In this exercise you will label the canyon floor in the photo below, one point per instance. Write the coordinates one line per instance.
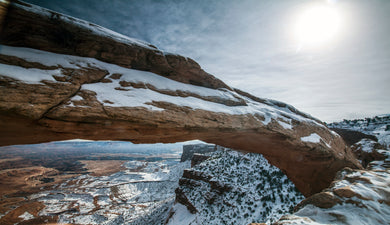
(76, 182)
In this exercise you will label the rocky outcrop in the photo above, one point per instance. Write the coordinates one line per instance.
(232, 187)
(355, 197)
(46, 97)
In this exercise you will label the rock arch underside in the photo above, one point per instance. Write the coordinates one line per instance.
(64, 78)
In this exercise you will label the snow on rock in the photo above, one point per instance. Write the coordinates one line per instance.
(76, 62)
(77, 98)
(313, 138)
(26, 216)
(29, 76)
(45, 58)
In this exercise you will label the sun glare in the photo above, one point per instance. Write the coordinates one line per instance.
(317, 25)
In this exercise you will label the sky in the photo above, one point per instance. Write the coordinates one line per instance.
(259, 46)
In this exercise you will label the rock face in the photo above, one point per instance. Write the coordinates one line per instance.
(92, 83)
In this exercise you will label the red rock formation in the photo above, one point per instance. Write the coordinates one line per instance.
(78, 101)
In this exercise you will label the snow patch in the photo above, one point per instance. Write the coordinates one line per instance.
(30, 76)
(26, 216)
(77, 98)
(313, 138)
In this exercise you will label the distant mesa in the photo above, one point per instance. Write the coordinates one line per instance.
(64, 78)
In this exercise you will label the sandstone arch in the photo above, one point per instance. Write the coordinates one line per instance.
(74, 99)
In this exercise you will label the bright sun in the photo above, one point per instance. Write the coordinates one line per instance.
(317, 25)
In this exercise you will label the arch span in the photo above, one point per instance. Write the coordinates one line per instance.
(311, 166)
